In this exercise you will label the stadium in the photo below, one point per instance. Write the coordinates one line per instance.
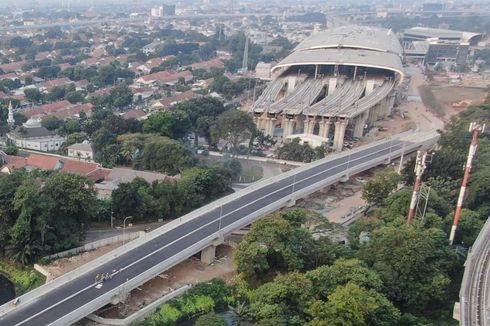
(334, 85)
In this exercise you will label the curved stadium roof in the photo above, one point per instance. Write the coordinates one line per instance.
(369, 38)
(351, 46)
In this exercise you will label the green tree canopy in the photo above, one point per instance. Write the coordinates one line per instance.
(174, 124)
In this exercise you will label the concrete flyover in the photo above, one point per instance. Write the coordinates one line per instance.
(74, 295)
(474, 296)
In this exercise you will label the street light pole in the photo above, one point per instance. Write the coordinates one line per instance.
(124, 228)
(294, 182)
(220, 216)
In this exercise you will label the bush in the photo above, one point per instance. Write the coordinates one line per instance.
(11, 150)
(24, 279)
(210, 319)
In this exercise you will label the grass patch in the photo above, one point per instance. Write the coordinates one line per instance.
(24, 278)
(430, 101)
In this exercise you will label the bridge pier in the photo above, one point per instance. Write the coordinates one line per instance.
(208, 254)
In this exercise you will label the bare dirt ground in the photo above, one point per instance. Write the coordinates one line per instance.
(190, 271)
(455, 98)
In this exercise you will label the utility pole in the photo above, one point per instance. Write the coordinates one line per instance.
(419, 170)
(475, 129)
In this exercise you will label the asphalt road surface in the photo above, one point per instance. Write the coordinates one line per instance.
(75, 294)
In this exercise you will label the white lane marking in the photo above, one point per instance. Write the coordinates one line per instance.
(188, 234)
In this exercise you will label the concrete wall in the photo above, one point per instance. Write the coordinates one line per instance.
(96, 244)
(140, 314)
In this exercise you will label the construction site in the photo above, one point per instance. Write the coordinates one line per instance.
(333, 86)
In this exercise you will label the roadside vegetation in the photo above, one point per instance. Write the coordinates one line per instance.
(388, 273)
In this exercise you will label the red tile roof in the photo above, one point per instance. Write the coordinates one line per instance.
(134, 114)
(61, 109)
(167, 76)
(13, 66)
(169, 101)
(208, 65)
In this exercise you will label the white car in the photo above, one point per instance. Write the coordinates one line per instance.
(98, 286)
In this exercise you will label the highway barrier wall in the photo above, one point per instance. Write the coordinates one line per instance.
(128, 236)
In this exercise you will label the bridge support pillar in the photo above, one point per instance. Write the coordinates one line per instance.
(208, 254)
(338, 141)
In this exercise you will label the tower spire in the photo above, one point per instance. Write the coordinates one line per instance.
(10, 119)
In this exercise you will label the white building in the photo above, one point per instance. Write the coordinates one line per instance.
(151, 48)
(81, 151)
(34, 136)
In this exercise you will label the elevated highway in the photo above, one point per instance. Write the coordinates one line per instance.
(75, 295)
(475, 289)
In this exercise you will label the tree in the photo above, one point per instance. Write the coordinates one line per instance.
(72, 196)
(103, 137)
(286, 298)
(351, 305)
(174, 124)
(375, 190)
(51, 122)
(235, 127)
(294, 151)
(202, 112)
(413, 264)
(74, 97)
(210, 319)
(133, 199)
(33, 94)
(273, 245)
(325, 279)
(166, 155)
(121, 96)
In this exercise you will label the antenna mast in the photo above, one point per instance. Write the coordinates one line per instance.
(475, 129)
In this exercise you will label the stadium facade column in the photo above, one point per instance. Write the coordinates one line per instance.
(332, 84)
(325, 127)
(359, 123)
(262, 123)
(338, 141)
(288, 127)
(311, 125)
(272, 123)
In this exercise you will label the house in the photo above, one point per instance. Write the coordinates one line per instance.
(151, 48)
(48, 85)
(141, 93)
(161, 78)
(81, 151)
(207, 65)
(166, 103)
(61, 109)
(31, 162)
(146, 67)
(123, 175)
(34, 136)
(135, 114)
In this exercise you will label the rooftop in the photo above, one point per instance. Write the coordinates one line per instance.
(441, 33)
(351, 57)
(350, 36)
